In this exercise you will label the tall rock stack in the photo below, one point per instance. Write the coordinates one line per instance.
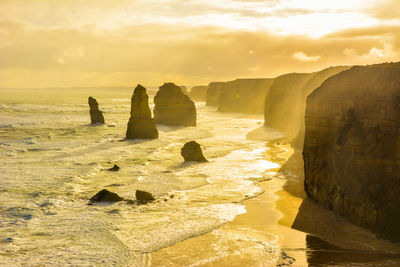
(96, 116)
(352, 146)
(141, 125)
(173, 107)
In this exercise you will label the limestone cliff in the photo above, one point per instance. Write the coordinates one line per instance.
(141, 125)
(173, 107)
(199, 93)
(96, 115)
(352, 146)
(213, 93)
(244, 95)
(285, 103)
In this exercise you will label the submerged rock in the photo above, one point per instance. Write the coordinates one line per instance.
(141, 125)
(105, 196)
(143, 197)
(191, 151)
(115, 168)
(352, 146)
(173, 107)
(96, 115)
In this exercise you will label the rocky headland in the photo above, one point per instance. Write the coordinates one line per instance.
(141, 125)
(352, 146)
(173, 107)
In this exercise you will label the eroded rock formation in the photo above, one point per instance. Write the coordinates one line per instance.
(191, 151)
(352, 146)
(173, 107)
(96, 116)
(214, 93)
(141, 125)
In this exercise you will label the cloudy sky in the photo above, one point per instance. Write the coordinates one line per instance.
(125, 42)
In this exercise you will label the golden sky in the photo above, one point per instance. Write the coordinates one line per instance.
(125, 42)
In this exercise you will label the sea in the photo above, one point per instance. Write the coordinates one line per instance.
(52, 161)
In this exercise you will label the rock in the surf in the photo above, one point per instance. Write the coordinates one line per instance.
(96, 115)
(115, 168)
(144, 197)
(173, 107)
(141, 125)
(191, 151)
(105, 196)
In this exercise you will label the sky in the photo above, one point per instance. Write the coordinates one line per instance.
(65, 43)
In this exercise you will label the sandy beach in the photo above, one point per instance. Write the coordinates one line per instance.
(307, 234)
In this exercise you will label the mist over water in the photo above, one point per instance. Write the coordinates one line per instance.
(53, 161)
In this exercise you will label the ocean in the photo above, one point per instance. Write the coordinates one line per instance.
(52, 161)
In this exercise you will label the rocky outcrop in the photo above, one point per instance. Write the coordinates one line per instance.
(285, 101)
(115, 168)
(144, 197)
(96, 116)
(198, 93)
(352, 146)
(184, 89)
(191, 151)
(106, 196)
(244, 95)
(172, 107)
(141, 125)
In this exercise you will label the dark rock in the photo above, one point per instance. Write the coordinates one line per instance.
(191, 151)
(173, 107)
(96, 116)
(198, 93)
(143, 197)
(141, 125)
(105, 196)
(352, 146)
(115, 168)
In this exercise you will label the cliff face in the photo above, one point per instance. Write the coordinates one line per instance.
(352, 146)
(285, 103)
(173, 107)
(214, 93)
(244, 95)
(199, 93)
(141, 125)
(96, 116)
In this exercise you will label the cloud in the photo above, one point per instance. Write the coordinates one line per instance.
(301, 56)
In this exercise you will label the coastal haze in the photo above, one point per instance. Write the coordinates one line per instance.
(199, 133)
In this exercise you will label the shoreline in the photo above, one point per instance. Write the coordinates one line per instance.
(288, 229)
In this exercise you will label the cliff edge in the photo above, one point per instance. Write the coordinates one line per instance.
(352, 146)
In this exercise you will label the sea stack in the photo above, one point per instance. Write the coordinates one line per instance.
(173, 107)
(191, 151)
(96, 116)
(141, 125)
(352, 146)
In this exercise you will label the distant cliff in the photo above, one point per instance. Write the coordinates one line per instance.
(244, 95)
(199, 93)
(241, 95)
(352, 146)
(284, 106)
